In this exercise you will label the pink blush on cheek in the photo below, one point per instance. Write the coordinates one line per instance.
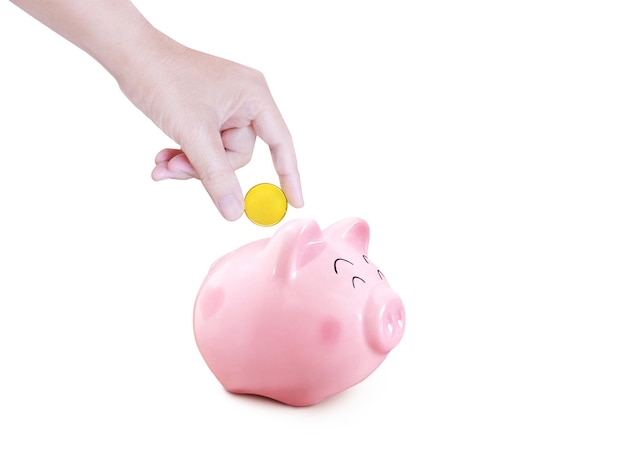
(213, 300)
(330, 331)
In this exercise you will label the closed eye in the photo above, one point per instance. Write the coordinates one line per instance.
(380, 274)
(366, 260)
(357, 277)
(341, 259)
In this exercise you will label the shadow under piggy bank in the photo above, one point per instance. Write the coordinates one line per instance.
(300, 316)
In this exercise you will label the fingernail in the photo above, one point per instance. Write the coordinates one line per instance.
(230, 207)
(293, 190)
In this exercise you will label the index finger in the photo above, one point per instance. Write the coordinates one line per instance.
(270, 126)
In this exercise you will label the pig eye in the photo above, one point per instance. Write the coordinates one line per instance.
(355, 278)
(380, 274)
(341, 259)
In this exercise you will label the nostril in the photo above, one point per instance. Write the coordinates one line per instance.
(401, 320)
(395, 322)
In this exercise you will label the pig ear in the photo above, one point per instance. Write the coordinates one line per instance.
(354, 230)
(294, 245)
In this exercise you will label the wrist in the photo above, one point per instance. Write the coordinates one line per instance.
(123, 44)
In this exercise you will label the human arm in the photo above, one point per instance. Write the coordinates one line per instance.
(211, 107)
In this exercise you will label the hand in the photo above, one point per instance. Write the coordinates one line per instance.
(214, 109)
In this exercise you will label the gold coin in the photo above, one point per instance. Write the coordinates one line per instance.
(265, 204)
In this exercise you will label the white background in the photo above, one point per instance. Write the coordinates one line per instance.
(485, 144)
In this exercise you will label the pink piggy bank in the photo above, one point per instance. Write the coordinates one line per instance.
(300, 316)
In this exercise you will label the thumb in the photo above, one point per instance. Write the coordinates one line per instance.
(207, 155)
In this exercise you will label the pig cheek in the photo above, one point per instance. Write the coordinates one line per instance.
(210, 301)
(329, 331)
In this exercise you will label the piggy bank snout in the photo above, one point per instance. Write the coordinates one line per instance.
(384, 319)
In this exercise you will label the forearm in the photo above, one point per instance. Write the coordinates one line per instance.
(113, 32)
